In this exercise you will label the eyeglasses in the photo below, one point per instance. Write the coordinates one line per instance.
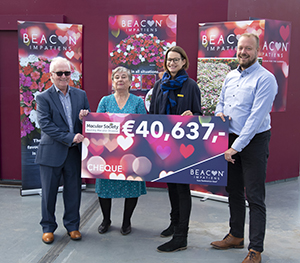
(175, 60)
(60, 73)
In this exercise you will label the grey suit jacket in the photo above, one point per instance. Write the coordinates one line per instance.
(55, 135)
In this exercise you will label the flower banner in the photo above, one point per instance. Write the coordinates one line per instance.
(139, 42)
(217, 56)
(155, 148)
(38, 43)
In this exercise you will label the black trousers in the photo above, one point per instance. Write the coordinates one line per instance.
(181, 205)
(248, 175)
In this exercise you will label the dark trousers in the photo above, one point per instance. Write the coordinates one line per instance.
(181, 204)
(248, 175)
(50, 180)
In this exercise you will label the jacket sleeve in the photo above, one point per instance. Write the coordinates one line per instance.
(52, 123)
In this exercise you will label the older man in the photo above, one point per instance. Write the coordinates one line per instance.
(59, 109)
(246, 98)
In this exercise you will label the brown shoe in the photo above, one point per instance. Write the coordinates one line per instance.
(253, 257)
(48, 238)
(229, 241)
(75, 235)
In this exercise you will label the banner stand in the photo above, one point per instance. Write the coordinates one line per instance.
(206, 196)
(215, 197)
(38, 191)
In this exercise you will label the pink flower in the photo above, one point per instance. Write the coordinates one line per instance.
(35, 75)
(34, 86)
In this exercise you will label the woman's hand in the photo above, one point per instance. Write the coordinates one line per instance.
(187, 113)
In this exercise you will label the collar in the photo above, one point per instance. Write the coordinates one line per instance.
(59, 91)
(250, 69)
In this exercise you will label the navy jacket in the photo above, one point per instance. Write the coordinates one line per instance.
(55, 135)
(188, 98)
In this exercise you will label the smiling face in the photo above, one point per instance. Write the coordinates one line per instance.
(121, 81)
(247, 51)
(61, 82)
(174, 63)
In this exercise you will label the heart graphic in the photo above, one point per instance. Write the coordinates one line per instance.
(111, 145)
(205, 44)
(186, 151)
(99, 142)
(84, 152)
(214, 173)
(163, 153)
(277, 45)
(114, 176)
(86, 142)
(285, 69)
(112, 20)
(164, 173)
(125, 143)
(150, 22)
(284, 32)
(95, 150)
(117, 117)
(115, 33)
(131, 178)
(70, 54)
(62, 39)
(75, 35)
(77, 55)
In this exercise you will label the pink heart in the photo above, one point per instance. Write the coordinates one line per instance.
(99, 141)
(186, 151)
(163, 153)
(285, 69)
(94, 149)
(284, 32)
(111, 145)
(117, 117)
(112, 19)
(23, 31)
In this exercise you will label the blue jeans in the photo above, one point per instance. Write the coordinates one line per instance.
(247, 176)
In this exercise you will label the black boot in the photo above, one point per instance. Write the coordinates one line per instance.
(177, 243)
(105, 204)
(169, 231)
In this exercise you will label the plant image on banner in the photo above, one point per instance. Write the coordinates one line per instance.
(39, 43)
(139, 43)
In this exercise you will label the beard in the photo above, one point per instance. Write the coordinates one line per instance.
(247, 63)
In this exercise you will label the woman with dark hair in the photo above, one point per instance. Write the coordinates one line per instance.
(176, 94)
(120, 102)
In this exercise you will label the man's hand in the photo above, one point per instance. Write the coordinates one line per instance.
(228, 155)
(78, 138)
(83, 113)
(222, 116)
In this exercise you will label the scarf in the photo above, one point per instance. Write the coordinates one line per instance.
(168, 84)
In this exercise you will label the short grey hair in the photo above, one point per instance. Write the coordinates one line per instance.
(121, 69)
(57, 60)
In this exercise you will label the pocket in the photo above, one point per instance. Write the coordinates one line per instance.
(245, 97)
